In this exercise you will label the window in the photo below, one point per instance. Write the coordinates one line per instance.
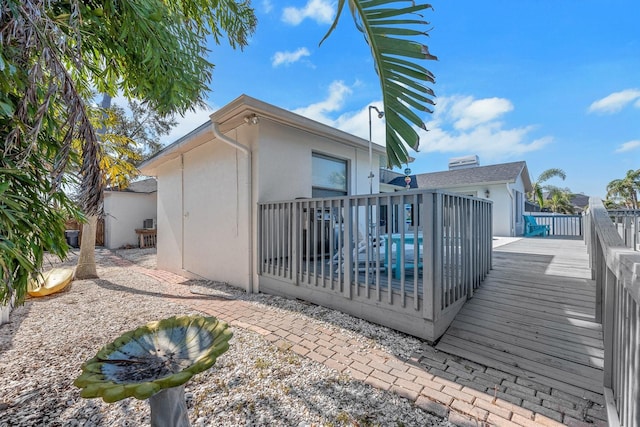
(329, 176)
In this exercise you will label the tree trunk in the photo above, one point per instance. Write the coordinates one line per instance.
(86, 268)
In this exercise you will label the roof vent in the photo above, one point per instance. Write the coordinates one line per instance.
(464, 162)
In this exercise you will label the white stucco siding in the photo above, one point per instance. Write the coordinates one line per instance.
(503, 220)
(169, 212)
(216, 224)
(284, 162)
(124, 212)
(504, 223)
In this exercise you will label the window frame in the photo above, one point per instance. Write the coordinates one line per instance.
(322, 191)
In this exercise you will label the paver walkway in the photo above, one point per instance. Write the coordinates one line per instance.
(468, 393)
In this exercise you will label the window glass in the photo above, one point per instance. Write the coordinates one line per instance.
(329, 176)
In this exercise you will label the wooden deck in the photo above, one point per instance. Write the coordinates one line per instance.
(534, 317)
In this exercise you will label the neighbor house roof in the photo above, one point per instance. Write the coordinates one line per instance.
(490, 174)
(149, 185)
(580, 201)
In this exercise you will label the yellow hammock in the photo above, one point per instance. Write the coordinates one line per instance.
(50, 282)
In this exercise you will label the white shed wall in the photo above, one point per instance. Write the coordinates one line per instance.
(124, 212)
(169, 243)
(216, 213)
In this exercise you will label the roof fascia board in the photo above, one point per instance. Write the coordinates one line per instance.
(234, 112)
(196, 137)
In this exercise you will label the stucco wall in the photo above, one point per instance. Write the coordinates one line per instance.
(124, 212)
(284, 162)
(216, 213)
(169, 222)
(505, 221)
(205, 222)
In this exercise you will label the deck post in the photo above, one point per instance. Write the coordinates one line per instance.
(438, 225)
(428, 283)
(348, 247)
(599, 273)
(608, 327)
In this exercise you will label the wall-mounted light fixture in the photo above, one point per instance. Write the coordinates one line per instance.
(252, 119)
(487, 193)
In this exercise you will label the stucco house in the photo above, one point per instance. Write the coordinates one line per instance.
(505, 184)
(210, 181)
(127, 210)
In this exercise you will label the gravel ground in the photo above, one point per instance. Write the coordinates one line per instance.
(254, 383)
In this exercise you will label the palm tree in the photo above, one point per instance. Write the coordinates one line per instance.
(536, 195)
(391, 34)
(626, 189)
(559, 200)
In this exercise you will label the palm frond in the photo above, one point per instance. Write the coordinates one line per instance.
(391, 33)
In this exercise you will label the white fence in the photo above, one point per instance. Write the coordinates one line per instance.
(616, 270)
(627, 222)
(407, 260)
(560, 224)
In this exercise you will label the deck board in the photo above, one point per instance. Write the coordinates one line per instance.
(534, 316)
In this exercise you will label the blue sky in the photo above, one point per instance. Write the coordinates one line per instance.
(554, 83)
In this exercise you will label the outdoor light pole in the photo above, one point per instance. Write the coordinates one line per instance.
(371, 175)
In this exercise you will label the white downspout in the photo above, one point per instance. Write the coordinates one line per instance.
(182, 210)
(513, 210)
(246, 150)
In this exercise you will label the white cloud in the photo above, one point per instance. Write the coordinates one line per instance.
(338, 91)
(460, 125)
(353, 122)
(187, 123)
(628, 146)
(321, 11)
(267, 6)
(287, 58)
(616, 101)
(464, 125)
(468, 112)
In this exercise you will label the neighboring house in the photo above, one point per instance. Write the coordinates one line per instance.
(504, 184)
(127, 210)
(210, 181)
(580, 203)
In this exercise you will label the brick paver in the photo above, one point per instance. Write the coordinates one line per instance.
(467, 393)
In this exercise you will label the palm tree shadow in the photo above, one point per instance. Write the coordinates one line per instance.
(8, 330)
(115, 287)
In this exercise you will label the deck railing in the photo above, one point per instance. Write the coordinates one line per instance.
(407, 260)
(627, 222)
(616, 270)
(560, 224)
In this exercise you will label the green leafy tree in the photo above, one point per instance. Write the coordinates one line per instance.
(52, 54)
(118, 156)
(537, 193)
(625, 190)
(143, 125)
(124, 139)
